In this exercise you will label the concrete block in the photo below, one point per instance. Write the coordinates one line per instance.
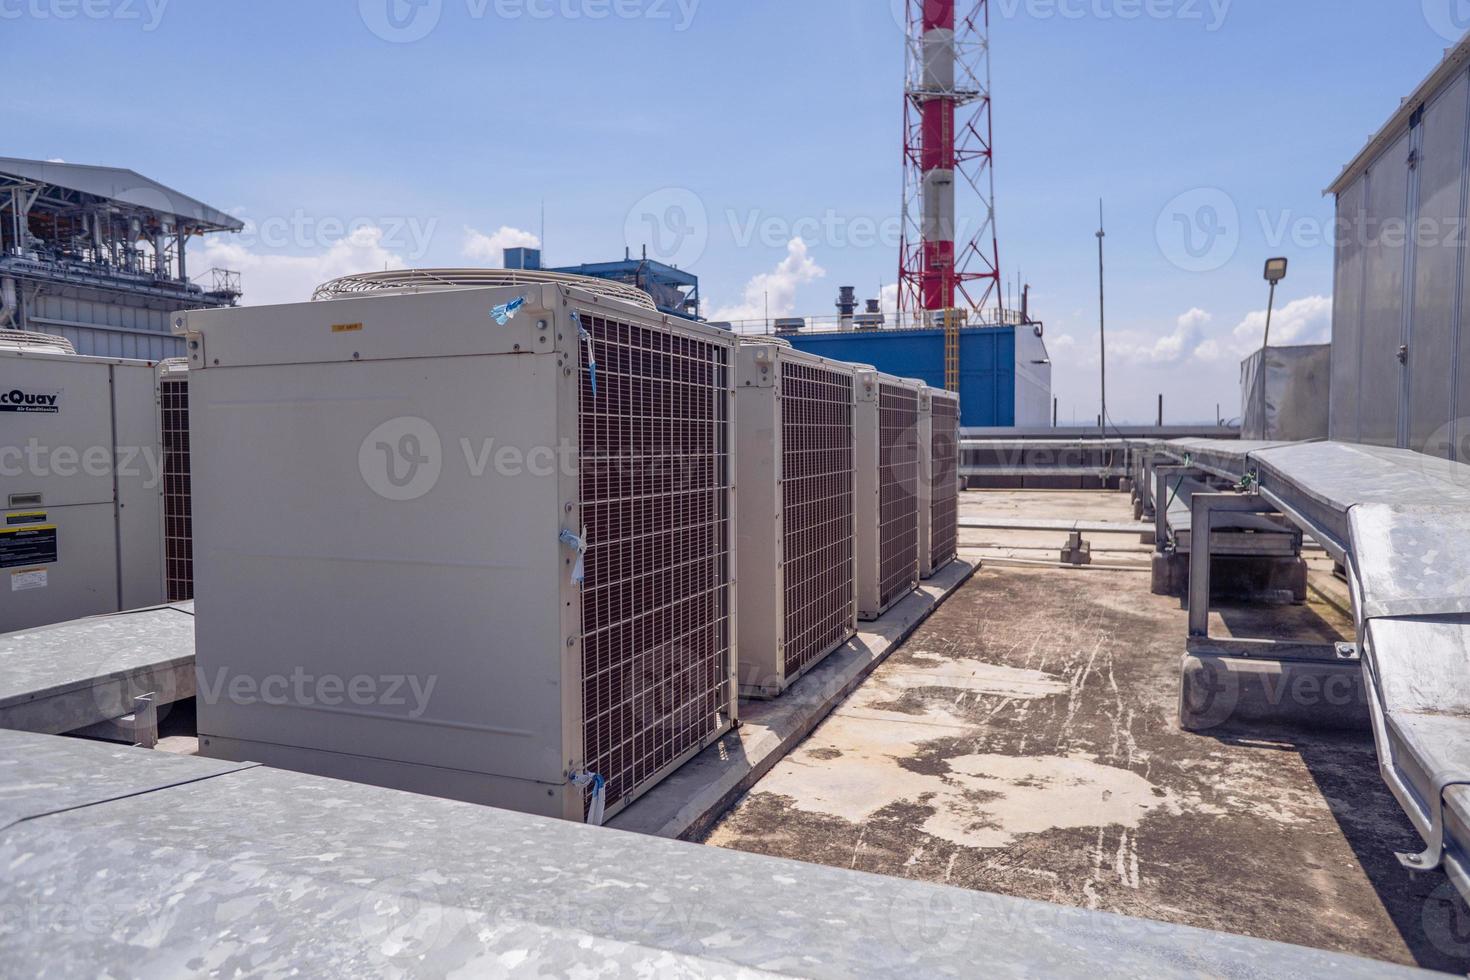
(1235, 577)
(1218, 691)
(1077, 551)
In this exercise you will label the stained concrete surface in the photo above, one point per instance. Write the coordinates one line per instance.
(1024, 741)
(687, 803)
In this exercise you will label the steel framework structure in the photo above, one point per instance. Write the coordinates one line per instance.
(948, 160)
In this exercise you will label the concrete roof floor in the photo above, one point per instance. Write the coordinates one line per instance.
(1025, 742)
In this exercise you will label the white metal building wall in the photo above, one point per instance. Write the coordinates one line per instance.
(1033, 379)
(1400, 373)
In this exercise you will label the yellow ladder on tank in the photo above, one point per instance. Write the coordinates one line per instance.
(954, 320)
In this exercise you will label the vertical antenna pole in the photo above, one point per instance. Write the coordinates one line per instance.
(1102, 332)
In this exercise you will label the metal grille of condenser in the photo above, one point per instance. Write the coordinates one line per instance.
(817, 511)
(655, 496)
(178, 512)
(898, 491)
(944, 491)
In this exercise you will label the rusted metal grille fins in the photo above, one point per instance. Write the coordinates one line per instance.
(655, 498)
(178, 510)
(898, 496)
(816, 506)
(944, 442)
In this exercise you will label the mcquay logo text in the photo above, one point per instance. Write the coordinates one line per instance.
(20, 400)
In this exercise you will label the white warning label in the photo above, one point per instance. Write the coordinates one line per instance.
(24, 581)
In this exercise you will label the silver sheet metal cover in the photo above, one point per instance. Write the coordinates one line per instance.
(1298, 387)
(265, 872)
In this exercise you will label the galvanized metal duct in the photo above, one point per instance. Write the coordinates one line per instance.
(1399, 521)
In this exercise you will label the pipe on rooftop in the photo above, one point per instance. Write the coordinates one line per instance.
(9, 307)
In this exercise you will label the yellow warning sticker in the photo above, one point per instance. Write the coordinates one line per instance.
(346, 327)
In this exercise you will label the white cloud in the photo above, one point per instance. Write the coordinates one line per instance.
(888, 301)
(55, 160)
(490, 249)
(780, 285)
(1194, 363)
(270, 278)
(1136, 347)
(1187, 336)
(1303, 321)
(1209, 351)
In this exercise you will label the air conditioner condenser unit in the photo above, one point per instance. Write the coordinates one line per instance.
(798, 603)
(79, 454)
(473, 543)
(887, 483)
(939, 446)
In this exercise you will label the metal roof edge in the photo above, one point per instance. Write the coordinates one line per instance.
(178, 202)
(1455, 60)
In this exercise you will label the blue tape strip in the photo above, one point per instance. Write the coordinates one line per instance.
(506, 312)
(586, 338)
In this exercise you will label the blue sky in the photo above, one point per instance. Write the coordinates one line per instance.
(762, 120)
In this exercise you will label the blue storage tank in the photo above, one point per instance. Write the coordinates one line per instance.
(1005, 374)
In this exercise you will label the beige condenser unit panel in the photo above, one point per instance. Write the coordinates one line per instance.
(79, 483)
(939, 488)
(797, 593)
(887, 511)
(474, 543)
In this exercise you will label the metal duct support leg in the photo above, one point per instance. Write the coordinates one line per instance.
(1432, 857)
(1258, 681)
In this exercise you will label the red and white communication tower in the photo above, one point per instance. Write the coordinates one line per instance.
(948, 162)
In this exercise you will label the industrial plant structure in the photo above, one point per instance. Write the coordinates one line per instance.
(98, 255)
(674, 291)
(953, 330)
(1001, 371)
(948, 160)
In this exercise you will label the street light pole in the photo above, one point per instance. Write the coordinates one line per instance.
(1275, 272)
